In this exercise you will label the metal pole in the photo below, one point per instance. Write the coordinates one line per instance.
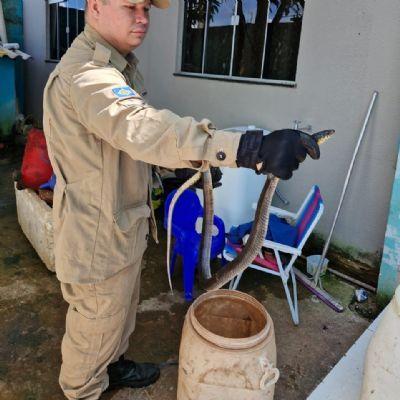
(3, 31)
(327, 243)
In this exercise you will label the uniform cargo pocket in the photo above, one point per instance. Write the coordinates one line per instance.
(128, 225)
(77, 218)
(127, 218)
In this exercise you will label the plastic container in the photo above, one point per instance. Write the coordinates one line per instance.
(36, 168)
(312, 264)
(227, 349)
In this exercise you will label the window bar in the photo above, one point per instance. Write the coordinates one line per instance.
(233, 41)
(238, 79)
(58, 30)
(77, 21)
(67, 27)
(203, 61)
(265, 41)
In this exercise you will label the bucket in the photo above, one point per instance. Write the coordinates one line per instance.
(312, 264)
(227, 349)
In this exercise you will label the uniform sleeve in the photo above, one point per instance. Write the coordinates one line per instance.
(128, 123)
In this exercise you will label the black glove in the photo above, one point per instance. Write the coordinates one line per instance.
(278, 153)
(187, 173)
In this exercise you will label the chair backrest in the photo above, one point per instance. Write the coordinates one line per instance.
(305, 202)
(186, 210)
(310, 213)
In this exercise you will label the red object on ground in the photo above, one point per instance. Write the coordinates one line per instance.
(36, 168)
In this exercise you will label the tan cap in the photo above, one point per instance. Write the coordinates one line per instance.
(156, 3)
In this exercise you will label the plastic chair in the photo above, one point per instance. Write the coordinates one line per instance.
(305, 221)
(50, 184)
(187, 241)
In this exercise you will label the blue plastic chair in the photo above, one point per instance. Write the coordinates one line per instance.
(187, 241)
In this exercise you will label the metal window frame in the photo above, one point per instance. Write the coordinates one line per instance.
(235, 78)
(68, 28)
(233, 39)
(230, 77)
(76, 22)
(265, 41)
(49, 3)
(203, 61)
(48, 31)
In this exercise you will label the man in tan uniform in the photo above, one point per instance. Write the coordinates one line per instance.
(102, 138)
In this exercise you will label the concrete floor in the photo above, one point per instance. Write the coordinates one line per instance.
(345, 380)
(32, 314)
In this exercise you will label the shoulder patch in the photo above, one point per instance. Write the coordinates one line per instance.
(124, 91)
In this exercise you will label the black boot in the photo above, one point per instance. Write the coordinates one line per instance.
(126, 373)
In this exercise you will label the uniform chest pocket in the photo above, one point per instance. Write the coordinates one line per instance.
(130, 230)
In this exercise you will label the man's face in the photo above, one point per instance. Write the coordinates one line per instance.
(123, 24)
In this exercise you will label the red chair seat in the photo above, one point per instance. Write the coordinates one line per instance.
(268, 261)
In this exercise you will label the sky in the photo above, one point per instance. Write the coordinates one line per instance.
(78, 4)
(227, 9)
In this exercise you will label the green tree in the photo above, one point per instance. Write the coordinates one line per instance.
(285, 7)
(196, 10)
(250, 38)
(249, 46)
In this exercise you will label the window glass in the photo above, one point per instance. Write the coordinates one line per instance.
(250, 38)
(53, 31)
(283, 39)
(63, 25)
(193, 36)
(67, 20)
(219, 36)
(81, 21)
(76, 4)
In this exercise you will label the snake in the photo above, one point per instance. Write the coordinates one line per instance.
(259, 228)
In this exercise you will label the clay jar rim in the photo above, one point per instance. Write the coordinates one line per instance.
(224, 342)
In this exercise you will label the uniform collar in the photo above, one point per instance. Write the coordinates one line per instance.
(116, 58)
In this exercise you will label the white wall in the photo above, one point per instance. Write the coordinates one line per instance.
(348, 49)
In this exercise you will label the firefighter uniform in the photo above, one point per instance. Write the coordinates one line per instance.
(102, 138)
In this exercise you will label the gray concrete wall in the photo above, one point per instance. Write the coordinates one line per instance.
(348, 49)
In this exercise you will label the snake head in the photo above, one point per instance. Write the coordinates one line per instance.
(312, 142)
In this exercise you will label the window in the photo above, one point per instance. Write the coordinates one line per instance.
(66, 20)
(242, 39)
